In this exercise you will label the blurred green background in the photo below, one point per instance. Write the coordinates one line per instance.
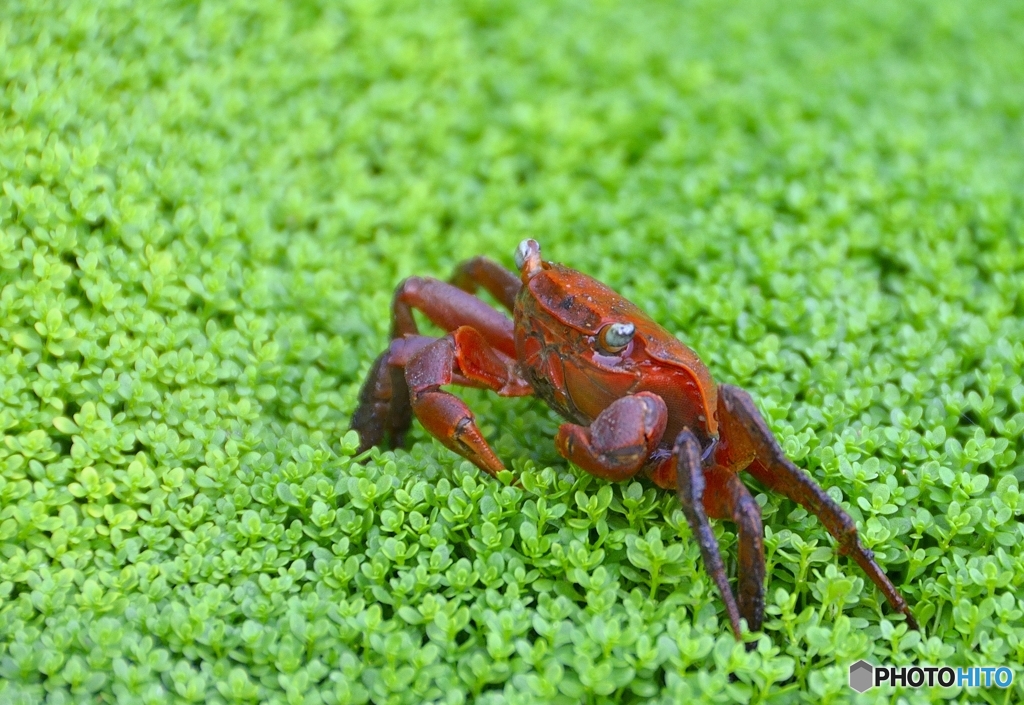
(204, 210)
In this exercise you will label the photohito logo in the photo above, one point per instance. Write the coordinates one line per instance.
(864, 676)
(861, 676)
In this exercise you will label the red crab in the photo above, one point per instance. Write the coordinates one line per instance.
(637, 401)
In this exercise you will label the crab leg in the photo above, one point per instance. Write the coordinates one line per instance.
(751, 438)
(686, 456)
(728, 498)
(620, 440)
(499, 282)
(383, 414)
(449, 307)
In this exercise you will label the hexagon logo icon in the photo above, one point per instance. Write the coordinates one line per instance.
(862, 676)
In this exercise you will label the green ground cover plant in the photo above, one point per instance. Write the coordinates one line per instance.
(204, 208)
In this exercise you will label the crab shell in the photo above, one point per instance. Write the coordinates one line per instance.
(559, 315)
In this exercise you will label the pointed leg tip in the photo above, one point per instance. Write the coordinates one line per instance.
(365, 443)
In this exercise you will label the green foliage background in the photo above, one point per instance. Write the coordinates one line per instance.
(205, 207)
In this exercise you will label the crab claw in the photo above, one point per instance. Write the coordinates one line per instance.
(527, 258)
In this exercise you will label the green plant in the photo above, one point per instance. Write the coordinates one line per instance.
(203, 210)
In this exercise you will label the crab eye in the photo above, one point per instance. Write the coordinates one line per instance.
(527, 248)
(614, 337)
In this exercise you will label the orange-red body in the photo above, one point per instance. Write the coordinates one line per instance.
(558, 316)
(636, 401)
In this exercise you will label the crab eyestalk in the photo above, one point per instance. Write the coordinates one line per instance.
(527, 259)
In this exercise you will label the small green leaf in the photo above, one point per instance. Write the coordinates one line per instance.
(65, 425)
